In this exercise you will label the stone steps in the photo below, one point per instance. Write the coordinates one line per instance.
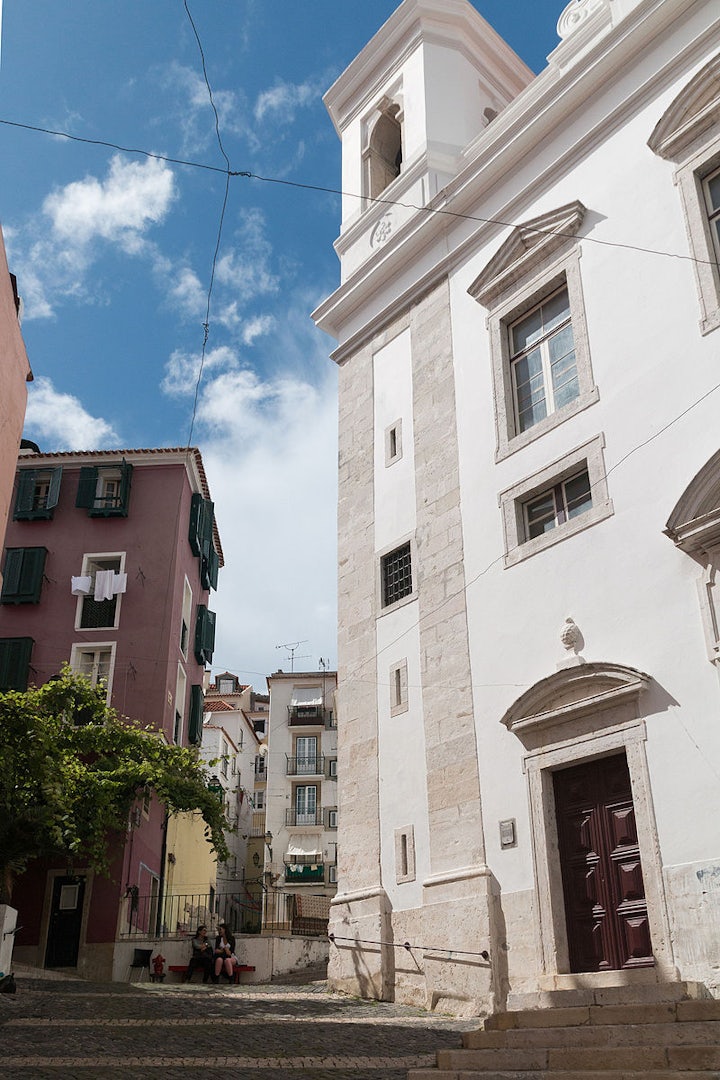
(604, 1074)
(666, 1038)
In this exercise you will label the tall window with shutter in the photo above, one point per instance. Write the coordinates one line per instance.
(38, 491)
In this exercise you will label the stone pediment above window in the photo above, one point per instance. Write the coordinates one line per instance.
(529, 245)
(694, 524)
(692, 113)
(574, 701)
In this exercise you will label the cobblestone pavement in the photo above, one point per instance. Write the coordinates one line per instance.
(62, 1029)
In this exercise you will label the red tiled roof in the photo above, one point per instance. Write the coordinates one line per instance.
(217, 706)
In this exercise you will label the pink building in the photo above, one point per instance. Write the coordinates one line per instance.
(14, 374)
(108, 564)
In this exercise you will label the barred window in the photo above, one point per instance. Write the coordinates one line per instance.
(396, 575)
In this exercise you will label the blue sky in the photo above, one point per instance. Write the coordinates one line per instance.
(113, 253)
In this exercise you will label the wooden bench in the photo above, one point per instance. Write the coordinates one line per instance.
(181, 969)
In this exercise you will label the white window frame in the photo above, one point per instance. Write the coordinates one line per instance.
(688, 134)
(514, 499)
(180, 699)
(332, 818)
(315, 788)
(393, 443)
(398, 688)
(89, 560)
(332, 875)
(405, 854)
(186, 617)
(84, 648)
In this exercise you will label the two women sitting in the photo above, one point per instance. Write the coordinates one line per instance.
(213, 961)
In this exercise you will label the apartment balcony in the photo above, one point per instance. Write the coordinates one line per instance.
(301, 818)
(297, 874)
(258, 824)
(306, 716)
(306, 766)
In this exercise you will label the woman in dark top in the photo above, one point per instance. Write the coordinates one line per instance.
(202, 955)
(224, 954)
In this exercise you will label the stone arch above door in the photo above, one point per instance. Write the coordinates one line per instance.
(575, 701)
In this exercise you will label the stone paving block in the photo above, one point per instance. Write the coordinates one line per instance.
(694, 1057)
(698, 1010)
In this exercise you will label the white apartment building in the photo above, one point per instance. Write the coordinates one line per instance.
(528, 327)
(301, 805)
(230, 741)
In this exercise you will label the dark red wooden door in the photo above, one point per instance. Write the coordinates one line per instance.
(605, 906)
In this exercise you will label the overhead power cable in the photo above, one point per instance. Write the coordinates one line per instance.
(228, 173)
(324, 189)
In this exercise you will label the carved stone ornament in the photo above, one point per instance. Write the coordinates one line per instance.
(572, 641)
(575, 14)
(382, 231)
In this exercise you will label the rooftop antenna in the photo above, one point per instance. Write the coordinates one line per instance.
(292, 647)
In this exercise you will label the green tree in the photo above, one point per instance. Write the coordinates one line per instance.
(70, 771)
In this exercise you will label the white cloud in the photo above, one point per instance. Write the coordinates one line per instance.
(245, 268)
(58, 421)
(119, 208)
(190, 103)
(284, 99)
(256, 328)
(271, 458)
(182, 369)
(52, 260)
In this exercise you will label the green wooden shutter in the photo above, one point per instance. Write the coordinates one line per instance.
(194, 532)
(87, 487)
(207, 526)
(23, 575)
(54, 490)
(204, 635)
(197, 702)
(125, 481)
(25, 494)
(213, 567)
(14, 663)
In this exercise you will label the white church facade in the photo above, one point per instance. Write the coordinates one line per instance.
(528, 328)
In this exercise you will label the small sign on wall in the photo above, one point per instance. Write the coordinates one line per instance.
(508, 834)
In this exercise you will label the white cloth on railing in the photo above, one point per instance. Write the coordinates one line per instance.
(104, 584)
(80, 585)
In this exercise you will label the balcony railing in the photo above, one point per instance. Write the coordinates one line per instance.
(253, 909)
(306, 766)
(306, 715)
(296, 874)
(304, 817)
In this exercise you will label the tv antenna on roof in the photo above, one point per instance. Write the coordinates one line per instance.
(292, 647)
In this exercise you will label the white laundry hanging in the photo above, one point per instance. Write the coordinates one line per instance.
(104, 584)
(80, 585)
(119, 584)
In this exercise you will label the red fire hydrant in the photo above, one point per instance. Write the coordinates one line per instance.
(157, 974)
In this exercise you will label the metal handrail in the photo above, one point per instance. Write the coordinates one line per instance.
(406, 945)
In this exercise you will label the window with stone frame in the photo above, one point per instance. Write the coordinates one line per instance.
(396, 575)
(567, 496)
(688, 134)
(539, 348)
